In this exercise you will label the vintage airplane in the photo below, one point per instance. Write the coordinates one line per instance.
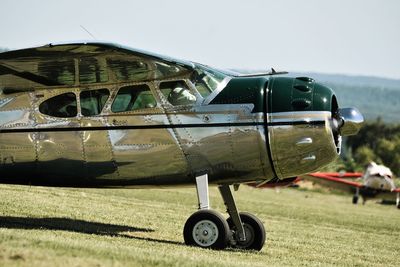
(94, 114)
(377, 182)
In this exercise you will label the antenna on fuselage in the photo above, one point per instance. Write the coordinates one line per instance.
(88, 32)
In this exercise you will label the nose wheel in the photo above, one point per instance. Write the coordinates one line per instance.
(207, 228)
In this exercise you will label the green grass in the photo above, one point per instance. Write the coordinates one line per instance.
(128, 227)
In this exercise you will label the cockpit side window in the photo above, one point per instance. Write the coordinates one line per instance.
(177, 93)
(133, 97)
(61, 106)
(92, 102)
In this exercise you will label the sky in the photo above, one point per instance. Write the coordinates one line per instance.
(353, 37)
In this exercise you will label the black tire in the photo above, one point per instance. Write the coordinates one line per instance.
(254, 229)
(355, 199)
(207, 229)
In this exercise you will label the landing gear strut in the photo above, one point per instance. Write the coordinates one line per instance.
(355, 197)
(208, 228)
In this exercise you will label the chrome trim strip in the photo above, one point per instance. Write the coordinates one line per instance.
(155, 126)
(293, 116)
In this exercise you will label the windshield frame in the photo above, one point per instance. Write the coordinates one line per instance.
(213, 73)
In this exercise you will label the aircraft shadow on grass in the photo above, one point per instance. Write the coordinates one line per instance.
(78, 226)
(66, 224)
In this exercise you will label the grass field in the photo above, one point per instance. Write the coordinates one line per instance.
(125, 227)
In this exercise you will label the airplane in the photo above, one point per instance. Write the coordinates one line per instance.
(377, 182)
(97, 114)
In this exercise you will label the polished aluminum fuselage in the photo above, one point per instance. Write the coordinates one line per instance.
(163, 146)
(158, 147)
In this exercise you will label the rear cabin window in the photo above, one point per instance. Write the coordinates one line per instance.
(134, 97)
(61, 106)
(92, 102)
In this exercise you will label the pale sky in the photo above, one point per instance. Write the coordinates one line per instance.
(359, 37)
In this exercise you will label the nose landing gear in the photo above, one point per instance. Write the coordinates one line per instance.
(356, 195)
(208, 228)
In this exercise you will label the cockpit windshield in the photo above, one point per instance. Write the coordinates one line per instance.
(207, 79)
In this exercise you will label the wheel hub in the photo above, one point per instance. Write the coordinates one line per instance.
(205, 233)
(249, 232)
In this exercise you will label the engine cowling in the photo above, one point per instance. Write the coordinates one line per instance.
(305, 125)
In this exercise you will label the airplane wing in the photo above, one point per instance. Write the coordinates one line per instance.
(338, 181)
(83, 63)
